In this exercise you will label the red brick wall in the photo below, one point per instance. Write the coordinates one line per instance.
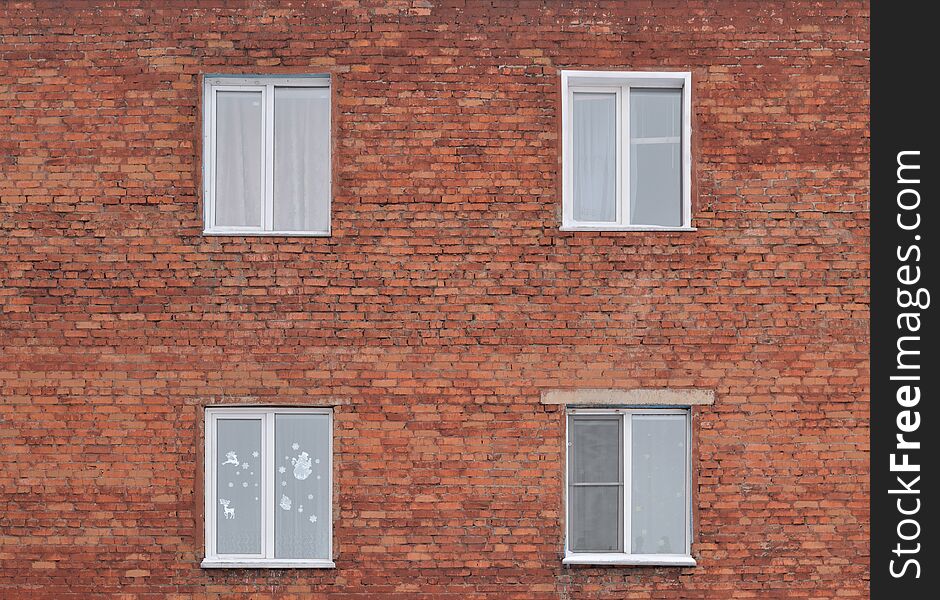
(444, 301)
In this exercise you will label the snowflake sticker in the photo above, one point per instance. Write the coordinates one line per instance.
(283, 483)
(244, 484)
(295, 446)
(313, 518)
(282, 469)
(245, 465)
(230, 484)
(254, 454)
(309, 496)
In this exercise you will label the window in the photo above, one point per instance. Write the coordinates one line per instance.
(626, 151)
(268, 487)
(628, 484)
(266, 143)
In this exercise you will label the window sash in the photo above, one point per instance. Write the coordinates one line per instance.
(212, 459)
(621, 83)
(626, 476)
(619, 151)
(213, 156)
(268, 503)
(264, 85)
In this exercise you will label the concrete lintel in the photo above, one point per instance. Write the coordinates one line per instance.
(658, 397)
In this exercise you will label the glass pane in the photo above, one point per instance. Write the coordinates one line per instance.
(302, 486)
(655, 113)
(658, 483)
(596, 453)
(655, 157)
(594, 154)
(239, 159)
(238, 486)
(301, 159)
(596, 519)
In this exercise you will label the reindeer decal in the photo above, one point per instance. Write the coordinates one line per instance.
(229, 511)
(231, 459)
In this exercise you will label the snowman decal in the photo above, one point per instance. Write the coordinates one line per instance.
(303, 466)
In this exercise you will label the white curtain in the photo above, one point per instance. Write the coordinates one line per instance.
(239, 166)
(301, 159)
(594, 130)
(655, 157)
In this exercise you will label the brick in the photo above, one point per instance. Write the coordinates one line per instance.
(445, 302)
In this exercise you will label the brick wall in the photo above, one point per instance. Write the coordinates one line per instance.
(444, 302)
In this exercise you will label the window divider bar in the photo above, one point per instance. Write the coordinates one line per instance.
(623, 163)
(209, 147)
(685, 148)
(269, 157)
(592, 484)
(267, 476)
(210, 482)
(627, 425)
(567, 189)
(688, 483)
(330, 487)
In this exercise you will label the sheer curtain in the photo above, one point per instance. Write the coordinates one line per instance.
(239, 167)
(594, 130)
(302, 486)
(301, 159)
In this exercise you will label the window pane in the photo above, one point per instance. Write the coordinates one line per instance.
(302, 486)
(596, 518)
(301, 159)
(596, 452)
(239, 163)
(594, 150)
(655, 113)
(658, 484)
(238, 491)
(655, 157)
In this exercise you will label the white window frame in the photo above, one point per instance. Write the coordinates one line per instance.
(266, 558)
(213, 84)
(627, 558)
(620, 82)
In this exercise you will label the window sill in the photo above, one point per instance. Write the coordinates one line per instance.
(267, 563)
(634, 560)
(249, 232)
(624, 228)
